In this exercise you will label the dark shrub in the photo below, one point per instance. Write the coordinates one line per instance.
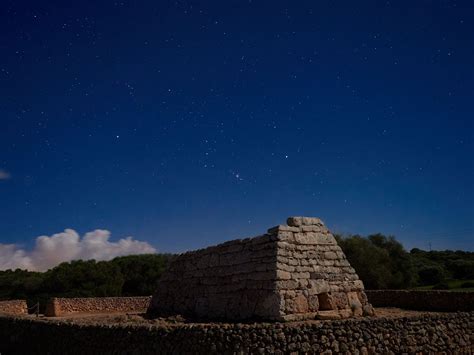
(441, 286)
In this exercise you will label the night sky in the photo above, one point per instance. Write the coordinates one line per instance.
(184, 124)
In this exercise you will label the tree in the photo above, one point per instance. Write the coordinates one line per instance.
(141, 272)
(379, 261)
(84, 279)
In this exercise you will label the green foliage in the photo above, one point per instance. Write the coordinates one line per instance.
(381, 262)
(20, 284)
(435, 267)
(134, 275)
(84, 279)
(141, 272)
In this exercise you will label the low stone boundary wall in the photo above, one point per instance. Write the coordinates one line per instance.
(14, 307)
(450, 333)
(444, 301)
(63, 306)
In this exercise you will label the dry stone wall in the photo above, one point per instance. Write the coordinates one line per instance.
(293, 272)
(314, 277)
(448, 333)
(64, 306)
(13, 307)
(444, 301)
(234, 280)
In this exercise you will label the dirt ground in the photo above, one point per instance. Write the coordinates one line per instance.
(138, 319)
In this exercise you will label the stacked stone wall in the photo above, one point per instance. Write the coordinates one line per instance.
(64, 306)
(233, 280)
(13, 307)
(449, 333)
(293, 272)
(444, 301)
(314, 278)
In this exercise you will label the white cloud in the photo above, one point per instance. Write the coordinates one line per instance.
(4, 175)
(66, 246)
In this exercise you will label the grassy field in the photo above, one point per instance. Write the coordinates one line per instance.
(451, 285)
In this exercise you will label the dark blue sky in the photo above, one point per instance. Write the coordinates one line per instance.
(188, 123)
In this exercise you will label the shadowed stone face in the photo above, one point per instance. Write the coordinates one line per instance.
(294, 271)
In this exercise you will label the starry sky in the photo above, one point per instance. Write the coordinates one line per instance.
(187, 123)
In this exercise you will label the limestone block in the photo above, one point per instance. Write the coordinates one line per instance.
(345, 313)
(340, 299)
(313, 303)
(312, 228)
(303, 284)
(301, 275)
(368, 310)
(357, 285)
(304, 238)
(282, 228)
(328, 239)
(286, 236)
(355, 303)
(297, 317)
(303, 221)
(318, 286)
(362, 297)
(283, 275)
(300, 304)
(328, 315)
(296, 304)
(287, 284)
(285, 267)
(293, 262)
(330, 255)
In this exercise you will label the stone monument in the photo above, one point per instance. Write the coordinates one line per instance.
(293, 272)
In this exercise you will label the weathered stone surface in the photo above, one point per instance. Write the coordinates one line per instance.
(56, 307)
(13, 307)
(328, 315)
(368, 310)
(340, 300)
(291, 272)
(317, 286)
(282, 228)
(303, 221)
(313, 303)
(355, 304)
(441, 333)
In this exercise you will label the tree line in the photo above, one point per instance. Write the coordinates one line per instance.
(380, 261)
(133, 275)
(383, 263)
